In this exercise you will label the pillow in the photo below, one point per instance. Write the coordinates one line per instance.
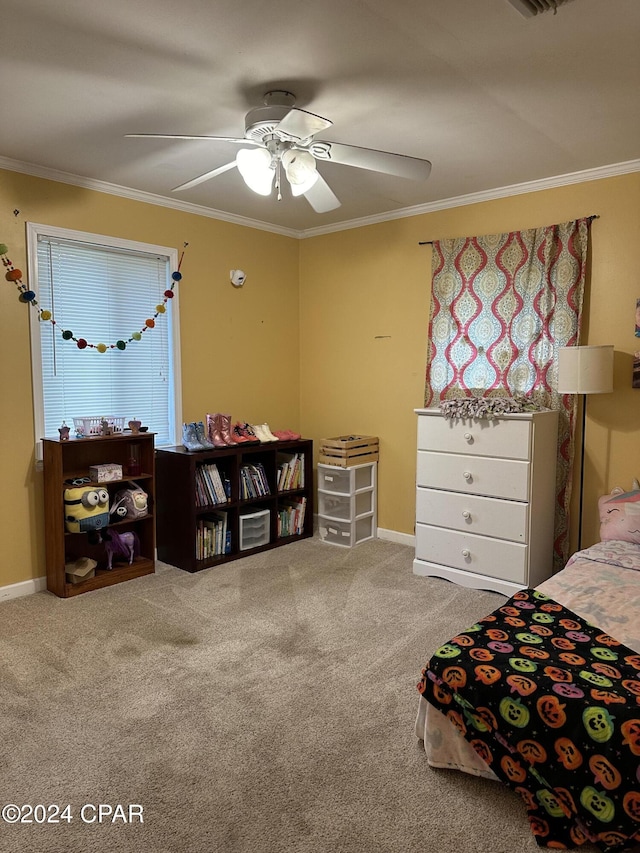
(620, 516)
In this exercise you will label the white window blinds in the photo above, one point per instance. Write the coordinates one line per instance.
(103, 293)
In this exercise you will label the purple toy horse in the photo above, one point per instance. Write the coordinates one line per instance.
(124, 546)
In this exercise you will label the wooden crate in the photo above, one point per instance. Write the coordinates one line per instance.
(347, 450)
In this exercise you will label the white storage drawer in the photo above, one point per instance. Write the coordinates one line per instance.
(254, 529)
(345, 507)
(480, 554)
(473, 514)
(346, 533)
(345, 481)
(500, 478)
(507, 439)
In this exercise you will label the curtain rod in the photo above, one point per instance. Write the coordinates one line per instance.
(430, 242)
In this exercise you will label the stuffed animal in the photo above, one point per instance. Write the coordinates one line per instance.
(130, 503)
(120, 546)
(620, 515)
(86, 508)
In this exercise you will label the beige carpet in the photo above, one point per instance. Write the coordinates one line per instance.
(267, 705)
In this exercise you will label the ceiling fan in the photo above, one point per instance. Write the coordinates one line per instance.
(280, 138)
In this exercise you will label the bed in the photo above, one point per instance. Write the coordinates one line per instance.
(544, 695)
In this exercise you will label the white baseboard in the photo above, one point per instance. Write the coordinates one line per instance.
(17, 590)
(395, 536)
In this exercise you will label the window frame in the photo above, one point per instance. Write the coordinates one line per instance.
(35, 230)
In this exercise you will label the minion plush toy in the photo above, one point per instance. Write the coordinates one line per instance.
(86, 508)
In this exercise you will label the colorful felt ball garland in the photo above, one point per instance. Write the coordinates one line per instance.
(28, 296)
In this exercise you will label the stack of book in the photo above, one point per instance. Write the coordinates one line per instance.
(253, 481)
(290, 471)
(211, 487)
(213, 538)
(291, 517)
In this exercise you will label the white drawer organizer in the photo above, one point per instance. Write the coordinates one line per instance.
(485, 499)
(254, 529)
(347, 504)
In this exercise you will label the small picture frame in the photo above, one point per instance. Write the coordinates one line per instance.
(636, 370)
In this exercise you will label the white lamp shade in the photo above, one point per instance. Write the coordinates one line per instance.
(254, 164)
(585, 370)
(300, 169)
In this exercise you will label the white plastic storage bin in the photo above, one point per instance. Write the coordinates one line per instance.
(254, 529)
(346, 481)
(346, 533)
(345, 507)
(347, 503)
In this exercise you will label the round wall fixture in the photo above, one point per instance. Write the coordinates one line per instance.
(238, 278)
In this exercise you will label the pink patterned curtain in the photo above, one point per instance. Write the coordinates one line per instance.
(501, 306)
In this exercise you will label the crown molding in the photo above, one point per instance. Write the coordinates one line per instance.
(431, 207)
(486, 195)
(139, 195)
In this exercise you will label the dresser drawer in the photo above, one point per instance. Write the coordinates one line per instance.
(480, 554)
(499, 478)
(507, 439)
(473, 514)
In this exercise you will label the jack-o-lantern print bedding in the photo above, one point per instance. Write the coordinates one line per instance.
(552, 704)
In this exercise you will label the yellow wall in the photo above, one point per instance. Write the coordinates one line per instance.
(328, 335)
(240, 347)
(364, 300)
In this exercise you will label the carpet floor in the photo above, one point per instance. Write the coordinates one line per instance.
(266, 705)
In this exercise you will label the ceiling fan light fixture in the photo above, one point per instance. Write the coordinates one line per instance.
(300, 169)
(254, 164)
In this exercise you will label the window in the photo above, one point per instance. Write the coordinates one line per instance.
(102, 290)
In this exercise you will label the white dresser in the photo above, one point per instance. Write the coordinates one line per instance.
(485, 499)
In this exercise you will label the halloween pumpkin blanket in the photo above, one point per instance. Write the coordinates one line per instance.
(552, 705)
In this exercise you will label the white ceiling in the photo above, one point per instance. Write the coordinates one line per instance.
(492, 98)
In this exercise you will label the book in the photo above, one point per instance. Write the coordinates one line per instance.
(291, 517)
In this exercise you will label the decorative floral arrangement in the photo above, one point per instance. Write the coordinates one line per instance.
(486, 407)
(28, 296)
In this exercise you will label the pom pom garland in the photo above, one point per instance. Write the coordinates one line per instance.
(14, 275)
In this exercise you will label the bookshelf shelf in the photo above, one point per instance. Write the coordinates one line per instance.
(252, 476)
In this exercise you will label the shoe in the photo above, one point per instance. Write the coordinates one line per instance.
(202, 438)
(286, 435)
(259, 434)
(264, 433)
(269, 434)
(241, 437)
(242, 428)
(214, 433)
(225, 430)
(190, 439)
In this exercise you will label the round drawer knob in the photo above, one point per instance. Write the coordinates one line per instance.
(466, 554)
(468, 437)
(466, 514)
(467, 475)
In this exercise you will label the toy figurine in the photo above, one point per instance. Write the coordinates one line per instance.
(64, 432)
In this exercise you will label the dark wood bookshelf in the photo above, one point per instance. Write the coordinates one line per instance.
(178, 514)
(69, 460)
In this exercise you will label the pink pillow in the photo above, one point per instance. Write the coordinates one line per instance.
(620, 516)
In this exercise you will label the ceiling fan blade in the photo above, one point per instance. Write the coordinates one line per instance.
(301, 125)
(321, 197)
(206, 177)
(233, 139)
(400, 165)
